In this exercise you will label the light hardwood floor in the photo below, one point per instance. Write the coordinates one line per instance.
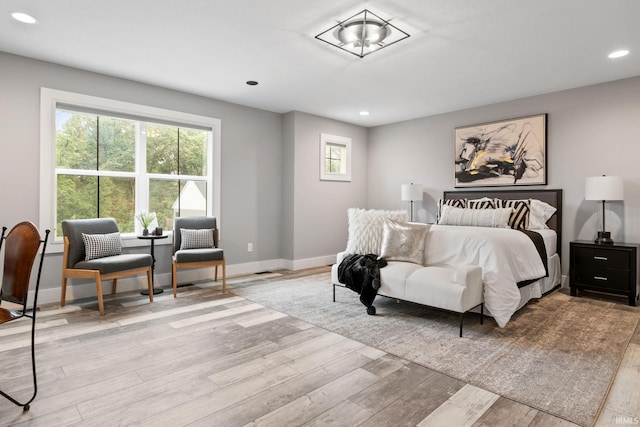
(212, 359)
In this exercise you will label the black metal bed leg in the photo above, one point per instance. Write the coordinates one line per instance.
(461, 318)
(334, 292)
(481, 313)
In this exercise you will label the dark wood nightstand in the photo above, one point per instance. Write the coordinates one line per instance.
(604, 268)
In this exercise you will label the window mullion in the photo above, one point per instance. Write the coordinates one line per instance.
(142, 179)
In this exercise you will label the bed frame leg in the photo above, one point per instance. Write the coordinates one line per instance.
(461, 318)
(334, 292)
(481, 313)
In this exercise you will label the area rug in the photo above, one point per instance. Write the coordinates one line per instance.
(558, 354)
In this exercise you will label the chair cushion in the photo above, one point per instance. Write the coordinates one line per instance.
(112, 264)
(198, 255)
(74, 228)
(101, 245)
(196, 239)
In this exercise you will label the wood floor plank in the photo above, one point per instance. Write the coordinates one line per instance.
(267, 401)
(624, 396)
(507, 413)
(463, 409)
(318, 401)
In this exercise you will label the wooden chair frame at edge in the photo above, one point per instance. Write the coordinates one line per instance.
(75, 273)
(197, 264)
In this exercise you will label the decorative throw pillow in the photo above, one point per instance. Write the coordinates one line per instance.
(196, 238)
(366, 228)
(475, 217)
(483, 203)
(541, 212)
(404, 241)
(519, 219)
(101, 245)
(456, 203)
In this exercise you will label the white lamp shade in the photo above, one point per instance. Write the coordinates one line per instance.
(411, 192)
(604, 188)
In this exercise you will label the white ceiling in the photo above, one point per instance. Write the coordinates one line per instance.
(461, 53)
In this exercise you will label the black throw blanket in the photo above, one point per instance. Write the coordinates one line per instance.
(537, 240)
(361, 274)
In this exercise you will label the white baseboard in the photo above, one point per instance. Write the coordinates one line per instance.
(80, 288)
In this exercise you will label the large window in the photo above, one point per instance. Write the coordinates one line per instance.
(105, 158)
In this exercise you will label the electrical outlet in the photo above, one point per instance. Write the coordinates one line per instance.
(250, 247)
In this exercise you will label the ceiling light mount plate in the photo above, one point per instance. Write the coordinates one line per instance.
(362, 34)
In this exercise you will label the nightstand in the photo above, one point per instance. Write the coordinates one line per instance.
(604, 268)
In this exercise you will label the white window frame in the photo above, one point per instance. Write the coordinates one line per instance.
(326, 139)
(49, 100)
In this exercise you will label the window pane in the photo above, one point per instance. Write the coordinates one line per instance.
(162, 149)
(337, 152)
(117, 201)
(77, 199)
(76, 136)
(193, 199)
(193, 152)
(163, 198)
(117, 144)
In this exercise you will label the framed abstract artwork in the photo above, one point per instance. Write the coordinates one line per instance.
(504, 153)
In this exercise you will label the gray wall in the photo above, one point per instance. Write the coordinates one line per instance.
(592, 131)
(252, 156)
(318, 224)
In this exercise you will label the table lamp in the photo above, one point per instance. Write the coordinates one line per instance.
(604, 188)
(410, 193)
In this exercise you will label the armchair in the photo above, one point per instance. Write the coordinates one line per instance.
(195, 245)
(92, 250)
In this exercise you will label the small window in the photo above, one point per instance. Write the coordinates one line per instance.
(335, 158)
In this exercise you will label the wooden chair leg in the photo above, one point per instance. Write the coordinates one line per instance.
(113, 286)
(174, 279)
(63, 295)
(150, 284)
(224, 277)
(215, 275)
(99, 290)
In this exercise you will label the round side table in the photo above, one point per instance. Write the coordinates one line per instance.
(153, 238)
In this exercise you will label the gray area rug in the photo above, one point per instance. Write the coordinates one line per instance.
(558, 354)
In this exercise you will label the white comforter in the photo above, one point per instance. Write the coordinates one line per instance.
(506, 256)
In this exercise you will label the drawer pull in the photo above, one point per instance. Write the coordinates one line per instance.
(601, 258)
(600, 278)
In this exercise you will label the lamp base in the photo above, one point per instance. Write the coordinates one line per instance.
(604, 238)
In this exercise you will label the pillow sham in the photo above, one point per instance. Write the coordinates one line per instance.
(498, 218)
(404, 241)
(196, 238)
(519, 219)
(366, 227)
(541, 212)
(483, 203)
(101, 245)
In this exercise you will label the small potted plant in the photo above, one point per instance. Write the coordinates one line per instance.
(145, 220)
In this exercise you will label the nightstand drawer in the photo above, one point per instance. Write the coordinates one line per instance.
(603, 257)
(603, 277)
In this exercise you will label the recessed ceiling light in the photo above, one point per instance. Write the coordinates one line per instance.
(618, 53)
(23, 17)
(252, 83)
(364, 113)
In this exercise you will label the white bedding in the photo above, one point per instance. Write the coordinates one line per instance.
(506, 256)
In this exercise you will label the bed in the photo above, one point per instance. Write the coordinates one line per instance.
(505, 271)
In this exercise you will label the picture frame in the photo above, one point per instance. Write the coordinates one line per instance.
(509, 152)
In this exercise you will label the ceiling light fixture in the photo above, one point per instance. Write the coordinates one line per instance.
(362, 34)
(23, 17)
(252, 83)
(618, 53)
(364, 113)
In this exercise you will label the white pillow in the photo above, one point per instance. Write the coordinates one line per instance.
(196, 238)
(541, 212)
(404, 241)
(498, 218)
(366, 228)
(101, 245)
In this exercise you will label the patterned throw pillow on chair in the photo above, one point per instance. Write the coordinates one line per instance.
(101, 245)
(196, 239)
